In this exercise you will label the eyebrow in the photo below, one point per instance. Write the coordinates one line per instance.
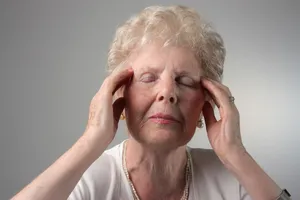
(155, 68)
(146, 68)
(196, 77)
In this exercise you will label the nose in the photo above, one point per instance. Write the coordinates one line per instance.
(167, 91)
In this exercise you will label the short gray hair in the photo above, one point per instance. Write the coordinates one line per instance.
(173, 25)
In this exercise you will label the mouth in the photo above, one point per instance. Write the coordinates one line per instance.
(161, 118)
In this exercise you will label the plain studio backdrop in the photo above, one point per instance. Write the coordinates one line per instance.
(53, 59)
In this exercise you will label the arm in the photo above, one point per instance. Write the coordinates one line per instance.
(59, 180)
(225, 138)
(253, 178)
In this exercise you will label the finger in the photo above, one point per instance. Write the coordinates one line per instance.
(209, 97)
(122, 80)
(117, 79)
(118, 107)
(219, 93)
(208, 114)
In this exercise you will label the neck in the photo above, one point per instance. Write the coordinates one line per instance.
(156, 174)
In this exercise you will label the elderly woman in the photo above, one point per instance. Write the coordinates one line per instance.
(166, 69)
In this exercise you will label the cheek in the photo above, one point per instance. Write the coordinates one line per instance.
(192, 103)
(137, 98)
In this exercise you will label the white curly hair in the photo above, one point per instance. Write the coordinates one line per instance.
(173, 25)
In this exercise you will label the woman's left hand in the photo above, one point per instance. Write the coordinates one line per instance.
(224, 135)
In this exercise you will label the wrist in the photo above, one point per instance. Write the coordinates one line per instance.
(97, 138)
(250, 175)
(92, 144)
(233, 156)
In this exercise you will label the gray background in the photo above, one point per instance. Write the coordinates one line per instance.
(53, 58)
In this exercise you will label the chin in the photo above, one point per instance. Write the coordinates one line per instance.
(163, 138)
(160, 136)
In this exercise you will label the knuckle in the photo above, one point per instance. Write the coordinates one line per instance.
(106, 82)
(231, 112)
(237, 112)
(105, 86)
(227, 89)
(234, 113)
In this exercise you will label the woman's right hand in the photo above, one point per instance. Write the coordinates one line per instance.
(104, 114)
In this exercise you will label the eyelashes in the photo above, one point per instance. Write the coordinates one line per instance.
(180, 80)
(185, 80)
(148, 77)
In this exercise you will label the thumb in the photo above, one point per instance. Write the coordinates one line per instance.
(118, 107)
(209, 115)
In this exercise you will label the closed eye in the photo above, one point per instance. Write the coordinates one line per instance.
(148, 77)
(186, 81)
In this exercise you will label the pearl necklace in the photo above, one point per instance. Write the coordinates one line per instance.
(188, 175)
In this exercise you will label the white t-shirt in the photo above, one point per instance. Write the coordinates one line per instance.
(106, 180)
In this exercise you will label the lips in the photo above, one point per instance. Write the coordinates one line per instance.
(161, 116)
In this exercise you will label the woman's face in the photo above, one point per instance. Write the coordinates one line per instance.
(165, 98)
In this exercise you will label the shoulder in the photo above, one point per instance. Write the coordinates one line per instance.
(206, 161)
(210, 177)
(205, 158)
(102, 178)
(106, 166)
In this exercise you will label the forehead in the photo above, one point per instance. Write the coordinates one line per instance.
(156, 56)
